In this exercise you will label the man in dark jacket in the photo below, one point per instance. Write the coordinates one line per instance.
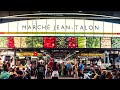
(40, 71)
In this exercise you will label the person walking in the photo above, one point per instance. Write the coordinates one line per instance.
(62, 69)
(69, 67)
(75, 71)
(40, 71)
(81, 70)
(46, 70)
(55, 72)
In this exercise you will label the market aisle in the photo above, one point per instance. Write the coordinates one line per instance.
(60, 78)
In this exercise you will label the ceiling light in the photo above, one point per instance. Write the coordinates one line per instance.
(79, 11)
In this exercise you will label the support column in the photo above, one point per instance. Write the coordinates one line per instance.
(14, 56)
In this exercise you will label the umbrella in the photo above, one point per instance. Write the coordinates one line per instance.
(4, 75)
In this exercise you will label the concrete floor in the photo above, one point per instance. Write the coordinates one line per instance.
(60, 78)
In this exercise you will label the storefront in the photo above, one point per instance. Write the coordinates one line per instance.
(24, 58)
(68, 35)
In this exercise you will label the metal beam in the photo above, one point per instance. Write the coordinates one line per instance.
(11, 13)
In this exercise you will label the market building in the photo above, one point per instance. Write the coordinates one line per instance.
(76, 36)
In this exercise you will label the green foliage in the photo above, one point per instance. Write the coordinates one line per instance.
(115, 42)
(29, 42)
(93, 42)
(37, 42)
(62, 42)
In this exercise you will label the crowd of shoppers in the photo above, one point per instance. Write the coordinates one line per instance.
(54, 70)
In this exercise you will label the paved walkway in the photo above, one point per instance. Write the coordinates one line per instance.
(60, 78)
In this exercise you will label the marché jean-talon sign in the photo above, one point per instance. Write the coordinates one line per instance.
(54, 25)
(60, 26)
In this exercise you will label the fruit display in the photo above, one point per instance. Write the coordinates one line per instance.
(106, 42)
(61, 42)
(115, 42)
(29, 42)
(23, 42)
(49, 42)
(17, 42)
(37, 42)
(72, 42)
(81, 42)
(3, 42)
(93, 42)
(10, 42)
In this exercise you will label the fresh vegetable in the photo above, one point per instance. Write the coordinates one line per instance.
(10, 42)
(72, 42)
(37, 42)
(81, 42)
(93, 42)
(3, 42)
(49, 42)
(23, 42)
(17, 42)
(61, 42)
(106, 42)
(29, 42)
(115, 42)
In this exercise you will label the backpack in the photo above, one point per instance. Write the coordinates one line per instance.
(81, 67)
(68, 66)
(40, 69)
